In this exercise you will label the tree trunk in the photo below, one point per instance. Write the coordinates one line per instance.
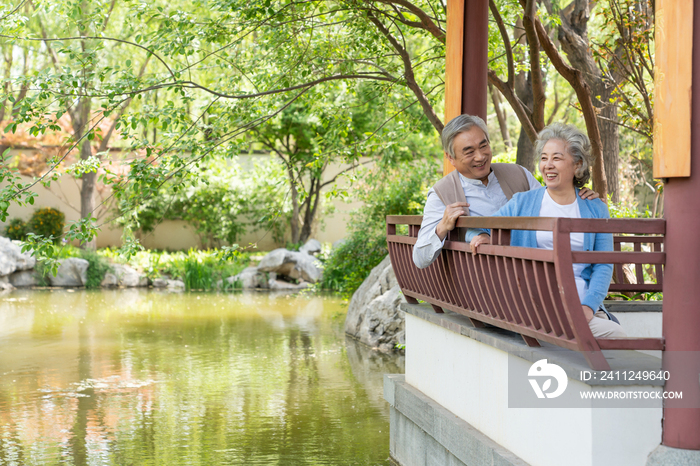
(87, 193)
(526, 149)
(310, 210)
(80, 119)
(305, 233)
(609, 129)
(294, 221)
(526, 152)
(610, 136)
(500, 115)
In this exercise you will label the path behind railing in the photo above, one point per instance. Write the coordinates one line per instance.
(526, 290)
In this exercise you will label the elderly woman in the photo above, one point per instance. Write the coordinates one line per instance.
(564, 163)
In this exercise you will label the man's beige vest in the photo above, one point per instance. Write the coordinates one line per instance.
(510, 176)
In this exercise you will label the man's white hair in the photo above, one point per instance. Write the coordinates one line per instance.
(458, 125)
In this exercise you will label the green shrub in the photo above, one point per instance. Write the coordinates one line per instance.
(293, 246)
(48, 222)
(221, 202)
(622, 210)
(400, 190)
(17, 229)
(97, 268)
(350, 263)
(68, 250)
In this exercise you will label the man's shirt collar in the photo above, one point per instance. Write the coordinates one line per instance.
(464, 180)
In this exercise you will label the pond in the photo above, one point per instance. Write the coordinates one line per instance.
(129, 377)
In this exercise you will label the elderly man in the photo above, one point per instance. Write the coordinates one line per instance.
(476, 187)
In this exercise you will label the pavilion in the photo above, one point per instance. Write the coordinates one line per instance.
(429, 426)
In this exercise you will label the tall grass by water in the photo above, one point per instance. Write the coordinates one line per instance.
(199, 270)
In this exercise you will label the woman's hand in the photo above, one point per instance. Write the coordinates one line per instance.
(588, 194)
(477, 240)
(588, 312)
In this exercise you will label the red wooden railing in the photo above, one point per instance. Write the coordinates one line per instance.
(526, 290)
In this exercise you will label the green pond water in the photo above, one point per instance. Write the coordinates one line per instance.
(130, 377)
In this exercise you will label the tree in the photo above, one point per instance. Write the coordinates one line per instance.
(88, 19)
(221, 202)
(225, 69)
(62, 75)
(296, 138)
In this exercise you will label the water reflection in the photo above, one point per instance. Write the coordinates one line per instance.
(134, 377)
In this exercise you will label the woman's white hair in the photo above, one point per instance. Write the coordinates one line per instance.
(577, 145)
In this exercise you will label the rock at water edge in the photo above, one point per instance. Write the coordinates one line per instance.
(160, 283)
(374, 317)
(176, 285)
(128, 276)
(71, 272)
(168, 284)
(292, 264)
(110, 281)
(281, 285)
(23, 278)
(12, 259)
(249, 279)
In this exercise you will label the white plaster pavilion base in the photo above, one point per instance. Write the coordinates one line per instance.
(465, 370)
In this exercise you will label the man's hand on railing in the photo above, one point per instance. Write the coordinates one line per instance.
(477, 240)
(449, 218)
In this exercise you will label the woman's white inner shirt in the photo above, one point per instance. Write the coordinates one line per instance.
(545, 240)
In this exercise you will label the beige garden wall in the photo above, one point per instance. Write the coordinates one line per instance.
(171, 235)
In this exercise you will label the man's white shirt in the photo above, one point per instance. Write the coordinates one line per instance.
(483, 202)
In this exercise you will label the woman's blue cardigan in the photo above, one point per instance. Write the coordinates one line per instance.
(597, 276)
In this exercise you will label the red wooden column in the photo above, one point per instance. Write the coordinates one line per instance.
(475, 57)
(466, 85)
(681, 308)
